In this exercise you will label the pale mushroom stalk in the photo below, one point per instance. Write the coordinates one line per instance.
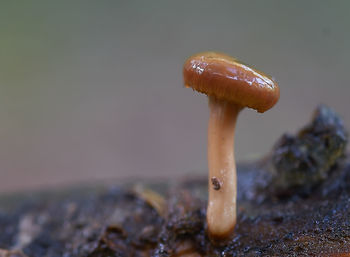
(221, 211)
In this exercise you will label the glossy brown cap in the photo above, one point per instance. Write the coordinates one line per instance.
(224, 77)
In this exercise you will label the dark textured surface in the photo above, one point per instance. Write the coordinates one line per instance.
(303, 161)
(116, 222)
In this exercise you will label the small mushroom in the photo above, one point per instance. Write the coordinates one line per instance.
(230, 86)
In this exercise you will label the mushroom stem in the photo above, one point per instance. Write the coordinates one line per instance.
(221, 212)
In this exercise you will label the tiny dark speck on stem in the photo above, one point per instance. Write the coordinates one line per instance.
(216, 183)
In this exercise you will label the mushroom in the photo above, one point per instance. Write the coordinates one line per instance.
(230, 86)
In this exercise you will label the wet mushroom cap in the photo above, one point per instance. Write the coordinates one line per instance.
(224, 77)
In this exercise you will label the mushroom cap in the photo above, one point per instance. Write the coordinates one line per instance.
(223, 77)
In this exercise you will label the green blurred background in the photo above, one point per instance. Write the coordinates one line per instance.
(92, 90)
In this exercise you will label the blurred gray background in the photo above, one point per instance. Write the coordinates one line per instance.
(92, 90)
